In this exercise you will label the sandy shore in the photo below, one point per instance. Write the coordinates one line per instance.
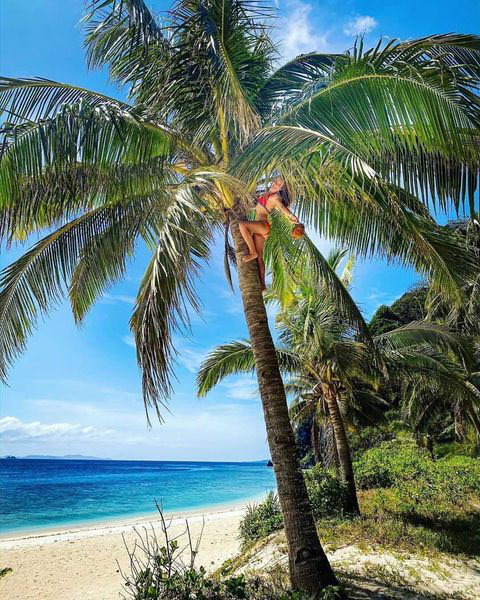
(81, 563)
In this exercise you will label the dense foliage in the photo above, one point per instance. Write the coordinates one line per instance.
(408, 500)
(165, 569)
(409, 307)
(327, 497)
(261, 519)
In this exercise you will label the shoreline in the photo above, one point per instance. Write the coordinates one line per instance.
(83, 563)
(104, 526)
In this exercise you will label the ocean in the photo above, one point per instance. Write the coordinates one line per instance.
(38, 493)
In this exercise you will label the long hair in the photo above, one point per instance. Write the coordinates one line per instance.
(285, 194)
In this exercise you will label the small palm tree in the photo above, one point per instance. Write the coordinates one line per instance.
(332, 364)
(308, 402)
(362, 408)
(462, 318)
(356, 136)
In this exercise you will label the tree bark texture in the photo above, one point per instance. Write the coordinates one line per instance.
(310, 570)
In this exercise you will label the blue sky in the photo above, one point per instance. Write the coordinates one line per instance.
(78, 390)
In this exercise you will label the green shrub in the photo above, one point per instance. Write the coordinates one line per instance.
(401, 464)
(390, 462)
(261, 519)
(431, 494)
(195, 584)
(159, 571)
(327, 494)
(463, 472)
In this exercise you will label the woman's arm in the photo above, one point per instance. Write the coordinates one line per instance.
(277, 202)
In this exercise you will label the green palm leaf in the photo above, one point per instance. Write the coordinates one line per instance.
(35, 281)
(167, 294)
(234, 358)
(418, 333)
(36, 99)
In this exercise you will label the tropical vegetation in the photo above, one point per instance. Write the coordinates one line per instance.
(366, 140)
(337, 372)
(409, 502)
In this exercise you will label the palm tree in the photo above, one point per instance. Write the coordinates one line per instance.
(308, 403)
(363, 407)
(356, 135)
(332, 365)
(464, 320)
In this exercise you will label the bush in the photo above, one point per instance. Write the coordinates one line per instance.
(327, 497)
(327, 494)
(195, 584)
(261, 519)
(159, 572)
(420, 489)
(461, 472)
(390, 462)
(400, 464)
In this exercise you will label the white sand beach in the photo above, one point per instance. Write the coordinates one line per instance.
(81, 563)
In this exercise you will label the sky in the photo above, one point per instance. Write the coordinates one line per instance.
(77, 390)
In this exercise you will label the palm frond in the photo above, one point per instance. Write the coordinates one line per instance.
(227, 359)
(126, 37)
(378, 221)
(395, 120)
(235, 358)
(289, 82)
(167, 293)
(335, 257)
(36, 281)
(103, 260)
(419, 333)
(79, 158)
(35, 99)
(287, 257)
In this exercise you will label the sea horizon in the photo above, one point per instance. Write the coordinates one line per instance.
(43, 494)
(70, 457)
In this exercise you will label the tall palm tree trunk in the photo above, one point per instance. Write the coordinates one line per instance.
(330, 452)
(343, 449)
(309, 567)
(459, 421)
(315, 439)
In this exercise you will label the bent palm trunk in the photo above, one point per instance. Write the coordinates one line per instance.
(309, 567)
(343, 449)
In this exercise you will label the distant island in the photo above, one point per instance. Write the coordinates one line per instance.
(48, 457)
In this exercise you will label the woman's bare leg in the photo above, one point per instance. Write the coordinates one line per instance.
(259, 241)
(248, 229)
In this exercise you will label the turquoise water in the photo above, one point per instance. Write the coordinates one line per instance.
(48, 493)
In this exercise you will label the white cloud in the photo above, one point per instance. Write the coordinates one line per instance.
(243, 388)
(14, 430)
(192, 358)
(360, 25)
(111, 299)
(128, 339)
(301, 36)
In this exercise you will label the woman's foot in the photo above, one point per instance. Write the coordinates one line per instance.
(249, 257)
